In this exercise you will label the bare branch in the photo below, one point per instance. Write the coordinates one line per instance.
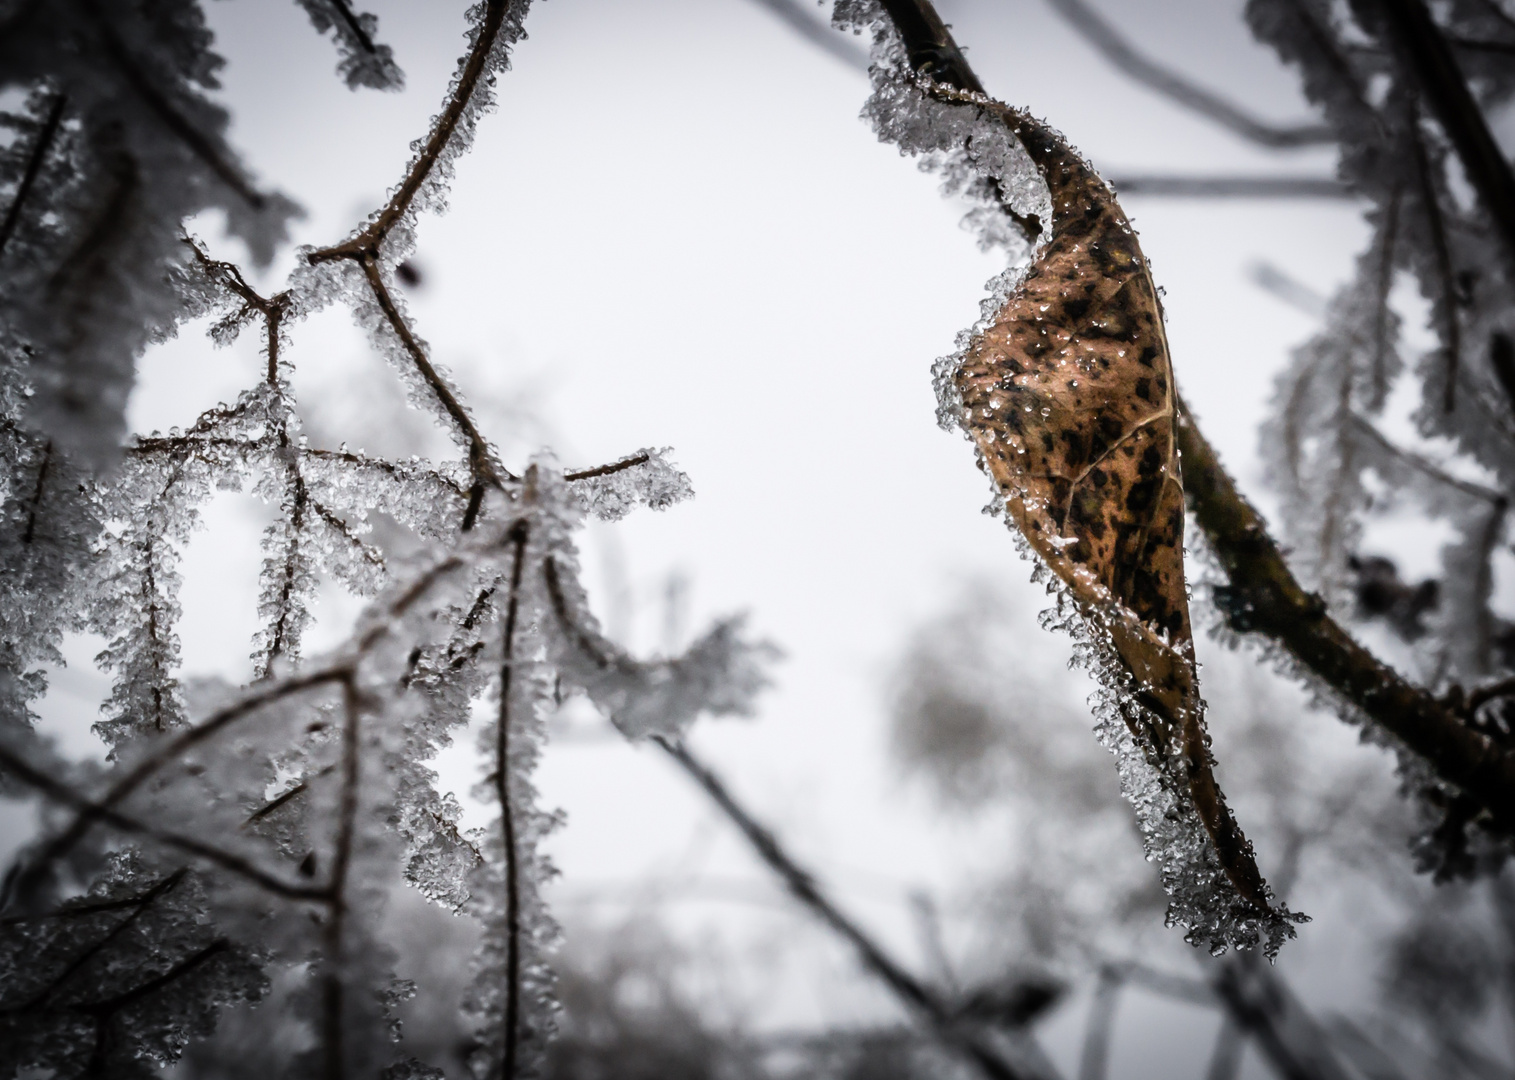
(1232, 187)
(1094, 29)
(911, 992)
(795, 16)
(1263, 596)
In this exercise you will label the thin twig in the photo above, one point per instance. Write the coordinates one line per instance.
(138, 904)
(914, 994)
(99, 811)
(1424, 49)
(1100, 33)
(373, 235)
(607, 470)
(510, 1035)
(1232, 187)
(480, 456)
(91, 812)
(34, 161)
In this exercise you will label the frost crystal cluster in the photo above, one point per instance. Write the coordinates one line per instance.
(239, 846)
(1360, 432)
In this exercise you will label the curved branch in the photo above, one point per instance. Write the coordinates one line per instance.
(441, 134)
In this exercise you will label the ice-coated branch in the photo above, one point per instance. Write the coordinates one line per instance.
(1112, 45)
(1424, 49)
(137, 905)
(510, 1028)
(920, 999)
(99, 811)
(90, 812)
(369, 239)
(481, 459)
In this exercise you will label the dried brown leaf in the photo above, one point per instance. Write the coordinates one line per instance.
(1069, 395)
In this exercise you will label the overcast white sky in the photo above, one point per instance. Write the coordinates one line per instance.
(676, 231)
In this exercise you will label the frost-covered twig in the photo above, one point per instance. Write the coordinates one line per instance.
(1426, 52)
(510, 1028)
(102, 811)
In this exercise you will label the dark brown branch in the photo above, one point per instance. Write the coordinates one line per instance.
(914, 994)
(1482, 695)
(86, 908)
(606, 470)
(368, 241)
(1263, 596)
(1097, 31)
(152, 986)
(138, 905)
(480, 457)
(929, 44)
(337, 525)
(277, 801)
(354, 24)
(44, 143)
(510, 1035)
(1425, 50)
(1233, 187)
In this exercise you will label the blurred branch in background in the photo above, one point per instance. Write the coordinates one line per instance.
(1103, 35)
(1230, 187)
(954, 1026)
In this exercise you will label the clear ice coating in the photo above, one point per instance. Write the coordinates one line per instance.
(980, 158)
